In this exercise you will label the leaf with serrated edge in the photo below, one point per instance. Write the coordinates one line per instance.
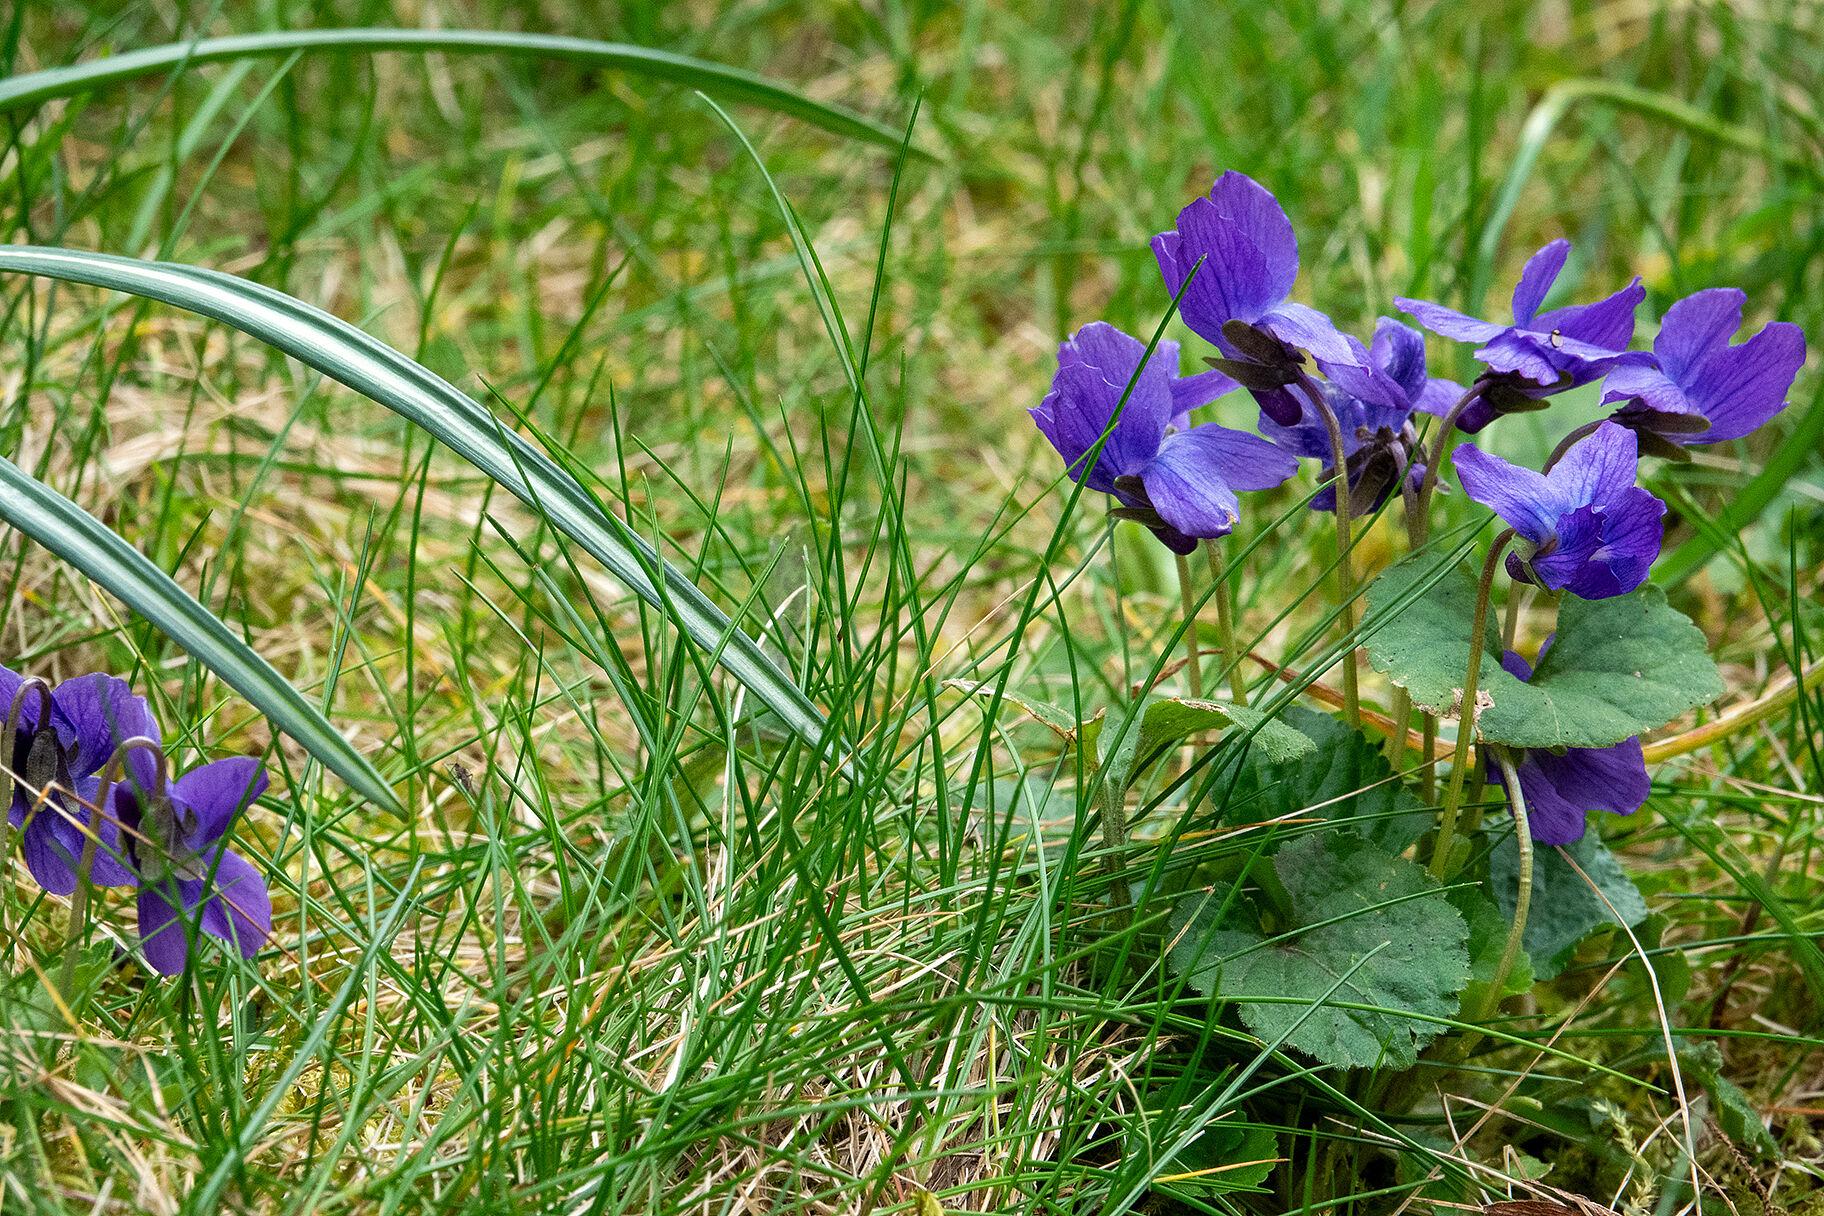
(1055, 718)
(1617, 668)
(1564, 909)
(1419, 635)
(1357, 898)
(1345, 779)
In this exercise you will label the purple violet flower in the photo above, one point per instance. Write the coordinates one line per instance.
(1249, 262)
(1695, 377)
(174, 837)
(1560, 788)
(1179, 483)
(1593, 530)
(60, 745)
(1540, 353)
(1378, 439)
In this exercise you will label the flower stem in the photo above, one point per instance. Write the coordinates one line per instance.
(85, 868)
(1114, 841)
(1517, 596)
(1402, 722)
(1193, 666)
(1466, 718)
(79, 917)
(1345, 576)
(1418, 525)
(1225, 621)
(1428, 776)
(1471, 821)
(1523, 899)
(1564, 445)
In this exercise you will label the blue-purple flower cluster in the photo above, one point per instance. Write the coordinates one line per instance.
(85, 763)
(1588, 528)
(1123, 428)
(1121, 421)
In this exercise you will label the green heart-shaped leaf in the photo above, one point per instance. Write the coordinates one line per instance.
(1564, 909)
(1617, 667)
(1350, 900)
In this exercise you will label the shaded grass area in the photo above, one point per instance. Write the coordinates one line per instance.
(632, 949)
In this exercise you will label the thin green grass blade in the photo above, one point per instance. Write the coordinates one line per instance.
(1783, 464)
(1557, 102)
(33, 88)
(372, 368)
(80, 539)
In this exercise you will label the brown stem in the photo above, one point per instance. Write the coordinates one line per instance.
(1564, 445)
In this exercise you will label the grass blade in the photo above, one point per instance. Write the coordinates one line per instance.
(1746, 504)
(375, 370)
(33, 88)
(83, 541)
(1556, 103)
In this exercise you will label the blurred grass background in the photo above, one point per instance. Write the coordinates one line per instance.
(592, 974)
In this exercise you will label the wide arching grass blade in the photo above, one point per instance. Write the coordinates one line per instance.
(81, 540)
(374, 369)
(33, 88)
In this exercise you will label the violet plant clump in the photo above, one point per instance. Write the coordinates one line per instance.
(1559, 742)
(92, 808)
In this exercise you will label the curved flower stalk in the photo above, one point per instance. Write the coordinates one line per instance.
(1378, 437)
(1593, 531)
(1560, 788)
(174, 841)
(1539, 354)
(59, 741)
(1179, 483)
(1249, 261)
(1695, 387)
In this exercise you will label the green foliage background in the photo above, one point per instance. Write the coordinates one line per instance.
(629, 949)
